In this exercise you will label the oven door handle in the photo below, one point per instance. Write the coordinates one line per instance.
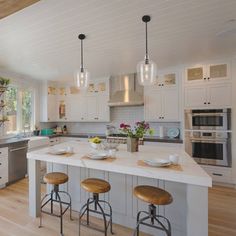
(208, 114)
(208, 141)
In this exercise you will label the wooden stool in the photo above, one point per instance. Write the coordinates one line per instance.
(96, 186)
(153, 196)
(56, 178)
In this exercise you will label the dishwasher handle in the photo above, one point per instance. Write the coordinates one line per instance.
(18, 149)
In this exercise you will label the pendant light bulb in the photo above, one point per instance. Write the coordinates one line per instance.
(82, 76)
(146, 69)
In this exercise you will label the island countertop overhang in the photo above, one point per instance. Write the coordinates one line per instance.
(127, 163)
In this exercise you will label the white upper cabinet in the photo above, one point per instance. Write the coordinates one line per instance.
(210, 96)
(208, 86)
(48, 99)
(162, 99)
(208, 73)
(68, 103)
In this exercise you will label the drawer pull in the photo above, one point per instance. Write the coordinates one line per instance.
(217, 174)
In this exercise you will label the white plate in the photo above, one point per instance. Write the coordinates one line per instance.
(158, 162)
(57, 151)
(173, 132)
(97, 156)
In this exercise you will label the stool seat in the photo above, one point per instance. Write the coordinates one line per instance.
(55, 178)
(152, 195)
(94, 185)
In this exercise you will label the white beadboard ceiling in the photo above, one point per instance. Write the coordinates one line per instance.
(41, 41)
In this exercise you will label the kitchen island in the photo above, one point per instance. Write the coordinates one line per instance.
(188, 184)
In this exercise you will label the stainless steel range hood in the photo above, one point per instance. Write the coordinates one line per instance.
(125, 91)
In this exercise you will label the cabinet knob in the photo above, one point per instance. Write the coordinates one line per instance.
(208, 103)
(208, 78)
(0, 164)
(205, 78)
(159, 84)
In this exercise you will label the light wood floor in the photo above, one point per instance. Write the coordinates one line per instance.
(14, 219)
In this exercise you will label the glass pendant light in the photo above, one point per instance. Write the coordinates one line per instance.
(146, 69)
(82, 76)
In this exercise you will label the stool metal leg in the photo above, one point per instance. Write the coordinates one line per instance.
(53, 199)
(110, 215)
(61, 215)
(153, 217)
(86, 209)
(104, 218)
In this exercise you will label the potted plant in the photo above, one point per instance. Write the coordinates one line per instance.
(133, 135)
(4, 83)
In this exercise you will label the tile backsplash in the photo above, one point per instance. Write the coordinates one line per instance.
(119, 115)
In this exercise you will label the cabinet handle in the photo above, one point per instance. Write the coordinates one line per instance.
(217, 174)
(205, 103)
(205, 78)
(159, 84)
(208, 78)
(0, 164)
(208, 103)
(0, 177)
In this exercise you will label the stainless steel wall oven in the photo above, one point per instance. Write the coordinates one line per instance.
(210, 148)
(210, 119)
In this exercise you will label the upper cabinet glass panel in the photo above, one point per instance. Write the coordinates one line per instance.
(195, 74)
(218, 71)
(170, 79)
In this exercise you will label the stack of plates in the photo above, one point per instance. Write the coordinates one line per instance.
(58, 151)
(157, 162)
(97, 155)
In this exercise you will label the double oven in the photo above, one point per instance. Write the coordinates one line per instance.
(208, 136)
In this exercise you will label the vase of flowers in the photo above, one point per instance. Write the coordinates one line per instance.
(135, 133)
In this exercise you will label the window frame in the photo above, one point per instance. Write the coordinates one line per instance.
(19, 125)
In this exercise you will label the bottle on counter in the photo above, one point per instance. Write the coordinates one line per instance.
(161, 132)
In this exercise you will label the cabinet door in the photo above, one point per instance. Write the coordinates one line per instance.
(195, 74)
(219, 95)
(51, 108)
(92, 108)
(72, 108)
(170, 104)
(103, 108)
(153, 106)
(218, 72)
(195, 97)
(82, 108)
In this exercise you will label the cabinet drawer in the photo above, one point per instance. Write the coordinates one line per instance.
(3, 152)
(219, 174)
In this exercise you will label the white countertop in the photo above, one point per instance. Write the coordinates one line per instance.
(126, 162)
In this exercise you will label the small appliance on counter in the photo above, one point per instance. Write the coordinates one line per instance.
(46, 132)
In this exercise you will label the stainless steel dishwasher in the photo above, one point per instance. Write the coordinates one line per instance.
(17, 161)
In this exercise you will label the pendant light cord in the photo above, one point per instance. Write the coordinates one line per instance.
(146, 40)
(82, 55)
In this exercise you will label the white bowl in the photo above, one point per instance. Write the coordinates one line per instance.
(95, 145)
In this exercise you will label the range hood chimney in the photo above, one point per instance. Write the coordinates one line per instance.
(125, 91)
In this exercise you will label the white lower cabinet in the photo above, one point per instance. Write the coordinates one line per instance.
(3, 166)
(219, 174)
(210, 96)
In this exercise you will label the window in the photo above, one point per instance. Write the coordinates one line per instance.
(19, 110)
(11, 110)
